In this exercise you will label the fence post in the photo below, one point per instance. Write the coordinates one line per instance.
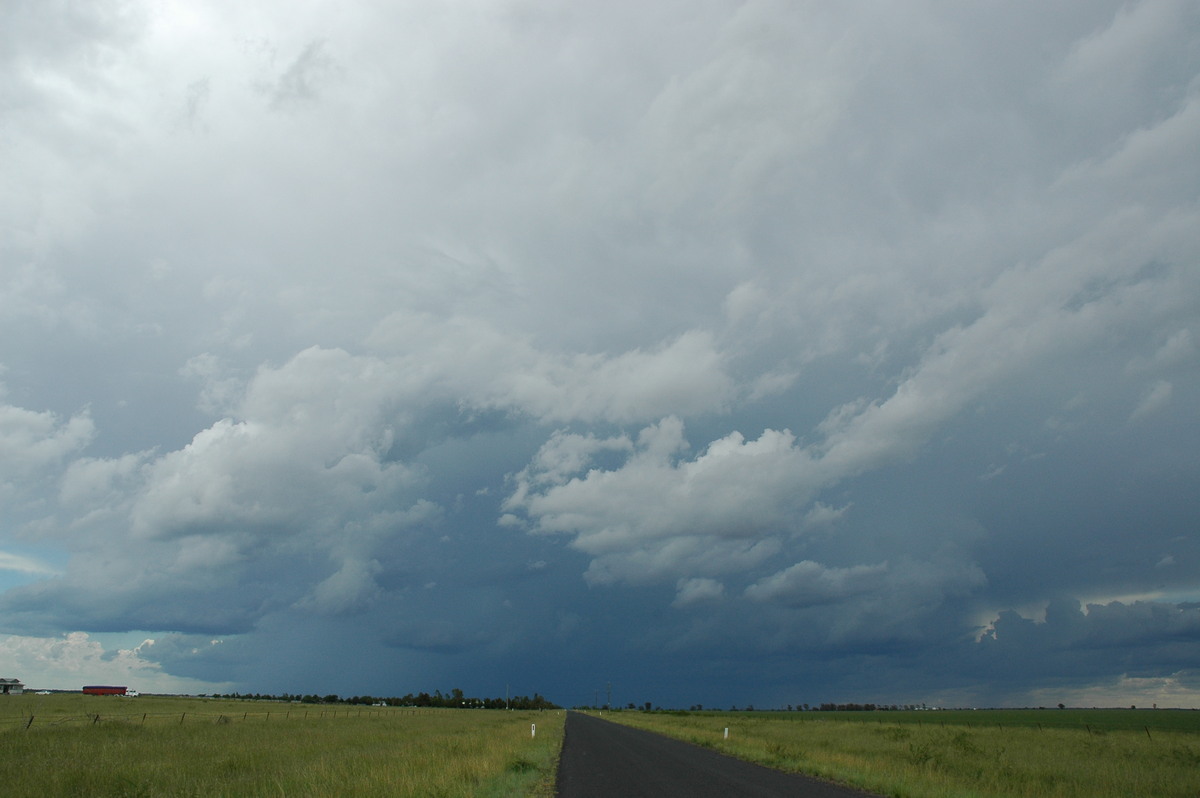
(1147, 728)
(181, 717)
(30, 723)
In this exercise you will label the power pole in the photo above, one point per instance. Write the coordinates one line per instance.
(608, 703)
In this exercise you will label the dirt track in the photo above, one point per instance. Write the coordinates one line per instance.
(602, 760)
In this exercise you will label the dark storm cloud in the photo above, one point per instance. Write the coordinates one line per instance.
(591, 342)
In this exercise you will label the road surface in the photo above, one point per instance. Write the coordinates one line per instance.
(601, 759)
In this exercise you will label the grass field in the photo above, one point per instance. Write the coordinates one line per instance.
(70, 744)
(174, 746)
(962, 754)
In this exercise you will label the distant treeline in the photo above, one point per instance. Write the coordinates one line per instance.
(452, 700)
(823, 708)
(866, 707)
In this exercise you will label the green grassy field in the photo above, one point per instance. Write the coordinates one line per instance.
(174, 746)
(962, 754)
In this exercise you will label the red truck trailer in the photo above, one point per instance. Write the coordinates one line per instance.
(103, 689)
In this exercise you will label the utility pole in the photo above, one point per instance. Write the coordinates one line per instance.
(608, 703)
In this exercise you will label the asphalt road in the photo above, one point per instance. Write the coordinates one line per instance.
(601, 759)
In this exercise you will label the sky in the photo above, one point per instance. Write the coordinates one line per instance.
(706, 352)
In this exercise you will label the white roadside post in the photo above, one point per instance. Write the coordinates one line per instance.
(533, 730)
(726, 732)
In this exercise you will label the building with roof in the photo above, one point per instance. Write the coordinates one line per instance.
(11, 687)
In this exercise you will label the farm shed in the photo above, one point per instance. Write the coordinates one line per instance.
(11, 687)
(102, 689)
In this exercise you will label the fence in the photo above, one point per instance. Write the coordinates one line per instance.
(1087, 721)
(34, 721)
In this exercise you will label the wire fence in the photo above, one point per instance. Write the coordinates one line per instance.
(35, 721)
(1102, 722)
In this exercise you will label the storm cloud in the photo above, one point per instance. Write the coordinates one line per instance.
(729, 352)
